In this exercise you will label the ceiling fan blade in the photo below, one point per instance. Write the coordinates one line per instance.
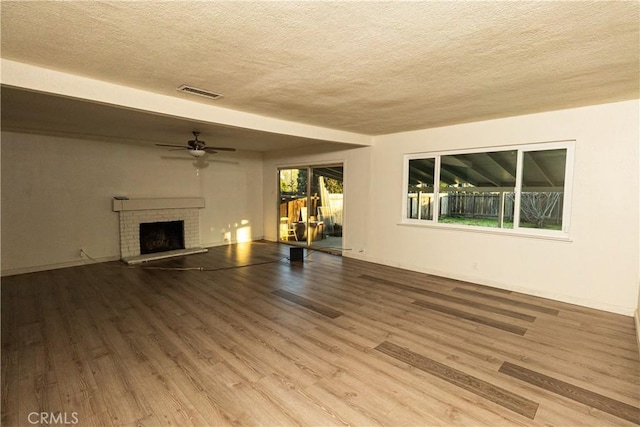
(210, 150)
(171, 145)
(179, 149)
(222, 148)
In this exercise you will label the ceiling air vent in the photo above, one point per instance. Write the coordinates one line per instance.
(202, 92)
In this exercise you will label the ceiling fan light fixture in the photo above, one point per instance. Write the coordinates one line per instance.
(197, 148)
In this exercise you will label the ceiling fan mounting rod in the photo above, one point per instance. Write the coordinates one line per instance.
(198, 148)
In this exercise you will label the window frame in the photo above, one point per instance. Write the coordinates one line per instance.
(517, 230)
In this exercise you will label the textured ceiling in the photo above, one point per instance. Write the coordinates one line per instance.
(366, 67)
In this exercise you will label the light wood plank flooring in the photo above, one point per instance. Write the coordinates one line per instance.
(331, 341)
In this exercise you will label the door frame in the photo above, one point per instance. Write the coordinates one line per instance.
(309, 168)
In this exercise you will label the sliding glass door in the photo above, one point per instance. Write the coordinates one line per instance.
(310, 206)
(293, 204)
(327, 198)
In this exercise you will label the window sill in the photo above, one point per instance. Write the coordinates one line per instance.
(532, 234)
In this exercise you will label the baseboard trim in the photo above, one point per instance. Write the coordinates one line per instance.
(39, 268)
(77, 263)
(625, 311)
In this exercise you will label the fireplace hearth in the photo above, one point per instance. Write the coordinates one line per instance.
(161, 236)
(134, 213)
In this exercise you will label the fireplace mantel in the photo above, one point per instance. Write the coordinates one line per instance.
(134, 212)
(158, 203)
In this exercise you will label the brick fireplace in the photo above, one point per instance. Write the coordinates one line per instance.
(134, 212)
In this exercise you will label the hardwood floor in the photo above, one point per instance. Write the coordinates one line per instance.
(331, 341)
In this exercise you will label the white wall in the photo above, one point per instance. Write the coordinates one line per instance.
(598, 268)
(57, 192)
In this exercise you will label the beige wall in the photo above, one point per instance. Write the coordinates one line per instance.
(597, 268)
(57, 192)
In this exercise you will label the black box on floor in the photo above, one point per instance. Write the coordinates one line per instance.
(296, 254)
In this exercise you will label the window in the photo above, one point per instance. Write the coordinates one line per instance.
(420, 188)
(523, 189)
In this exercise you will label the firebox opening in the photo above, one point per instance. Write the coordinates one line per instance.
(161, 236)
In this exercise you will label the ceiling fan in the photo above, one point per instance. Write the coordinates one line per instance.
(196, 147)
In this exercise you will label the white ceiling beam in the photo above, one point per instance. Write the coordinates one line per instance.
(29, 77)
